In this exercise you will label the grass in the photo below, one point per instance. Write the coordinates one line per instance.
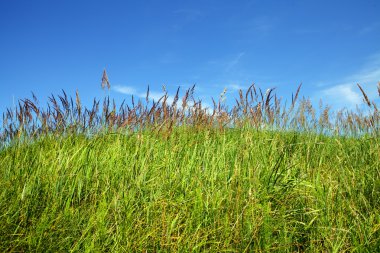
(169, 179)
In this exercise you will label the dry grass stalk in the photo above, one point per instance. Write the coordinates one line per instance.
(254, 108)
(294, 99)
(365, 97)
(105, 82)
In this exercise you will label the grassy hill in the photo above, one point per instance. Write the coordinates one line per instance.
(166, 179)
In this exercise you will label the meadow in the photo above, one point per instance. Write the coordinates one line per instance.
(164, 176)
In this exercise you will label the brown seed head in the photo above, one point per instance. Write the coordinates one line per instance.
(105, 81)
(364, 95)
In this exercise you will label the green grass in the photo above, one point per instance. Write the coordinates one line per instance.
(236, 190)
(161, 177)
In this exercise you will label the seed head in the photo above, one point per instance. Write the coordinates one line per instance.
(105, 81)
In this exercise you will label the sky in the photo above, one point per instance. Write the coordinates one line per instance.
(328, 46)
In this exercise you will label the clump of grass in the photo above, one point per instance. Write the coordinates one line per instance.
(158, 176)
(253, 109)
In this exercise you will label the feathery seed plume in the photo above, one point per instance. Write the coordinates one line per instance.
(105, 81)
(365, 97)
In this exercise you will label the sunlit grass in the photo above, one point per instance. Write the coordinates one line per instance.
(167, 179)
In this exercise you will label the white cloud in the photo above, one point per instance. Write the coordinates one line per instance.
(347, 94)
(343, 94)
(153, 95)
(235, 87)
(368, 76)
(128, 90)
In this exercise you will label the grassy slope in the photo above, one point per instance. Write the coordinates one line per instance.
(240, 190)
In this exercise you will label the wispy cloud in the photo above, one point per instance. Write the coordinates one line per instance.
(155, 95)
(343, 95)
(234, 62)
(127, 90)
(227, 63)
(368, 76)
(347, 94)
(235, 87)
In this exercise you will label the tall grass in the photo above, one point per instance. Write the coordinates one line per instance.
(253, 109)
(158, 176)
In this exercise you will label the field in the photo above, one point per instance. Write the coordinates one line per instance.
(162, 177)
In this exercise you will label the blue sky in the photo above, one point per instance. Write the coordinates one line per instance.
(329, 46)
